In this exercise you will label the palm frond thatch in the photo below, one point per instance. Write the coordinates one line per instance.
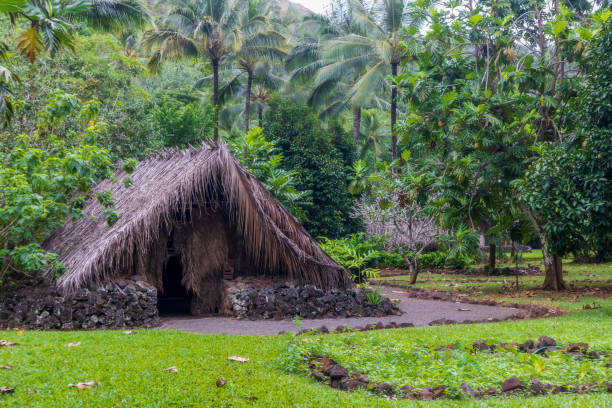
(166, 187)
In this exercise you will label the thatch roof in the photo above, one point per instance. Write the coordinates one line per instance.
(172, 182)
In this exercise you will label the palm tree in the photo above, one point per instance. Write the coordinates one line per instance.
(266, 77)
(373, 48)
(334, 77)
(374, 133)
(261, 46)
(255, 61)
(208, 29)
(260, 98)
(51, 21)
(308, 62)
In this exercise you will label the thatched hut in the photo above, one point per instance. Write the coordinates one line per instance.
(191, 219)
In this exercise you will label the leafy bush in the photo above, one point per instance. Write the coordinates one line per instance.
(355, 254)
(182, 124)
(40, 188)
(308, 150)
(373, 296)
(435, 259)
(461, 247)
(37, 194)
(377, 258)
(262, 159)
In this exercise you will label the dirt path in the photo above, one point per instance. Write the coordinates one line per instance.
(419, 312)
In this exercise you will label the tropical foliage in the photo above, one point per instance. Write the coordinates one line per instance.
(41, 188)
(262, 158)
(428, 123)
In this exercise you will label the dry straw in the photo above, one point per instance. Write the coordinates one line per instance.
(166, 188)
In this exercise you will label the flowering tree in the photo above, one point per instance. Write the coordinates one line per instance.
(399, 205)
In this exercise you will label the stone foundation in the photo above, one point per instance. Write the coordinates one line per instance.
(261, 299)
(116, 304)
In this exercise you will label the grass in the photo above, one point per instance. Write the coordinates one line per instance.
(590, 283)
(130, 368)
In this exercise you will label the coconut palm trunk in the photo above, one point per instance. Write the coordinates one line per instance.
(393, 112)
(215, 66)
(356, 127)
(247, 101)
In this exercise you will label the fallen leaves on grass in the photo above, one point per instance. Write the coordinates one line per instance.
(172, 369)
(5, 367)
(83, 385)
(6, 390)
(239, 359)
(6, 343)
(591, 306)
(73, 344)
(221, 382)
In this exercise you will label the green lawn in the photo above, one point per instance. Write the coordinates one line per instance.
(591, 283)
(130, 368)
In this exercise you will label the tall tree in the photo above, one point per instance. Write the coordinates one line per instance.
(207, 29)
(256, 58)
(487, 89)
(333, 79)
(7, 77)
(375, 49)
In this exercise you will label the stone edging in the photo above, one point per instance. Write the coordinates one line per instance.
(324, 369)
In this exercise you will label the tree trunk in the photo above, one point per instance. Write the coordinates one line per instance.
(260, 116)
(247, 101)
(554, 273)
(414, 271)
(215, 66)
(393, 112)
(356, 127)
(492, 249)
(552, 263)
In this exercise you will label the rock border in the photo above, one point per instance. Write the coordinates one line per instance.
(325, 370)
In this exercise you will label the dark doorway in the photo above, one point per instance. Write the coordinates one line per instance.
(174, 299)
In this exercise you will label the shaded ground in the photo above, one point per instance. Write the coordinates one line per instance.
(419, 312)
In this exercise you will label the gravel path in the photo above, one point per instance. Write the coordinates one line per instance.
(419, 312)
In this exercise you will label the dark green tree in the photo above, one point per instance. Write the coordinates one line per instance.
(319, 167)
(570, 185)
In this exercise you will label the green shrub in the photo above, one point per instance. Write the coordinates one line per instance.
(354, 253)
(41, 187)
(263, 160)
(435, 259)
(181, 124)
(373, 296)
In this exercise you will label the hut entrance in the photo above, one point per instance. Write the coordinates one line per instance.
(174, 298)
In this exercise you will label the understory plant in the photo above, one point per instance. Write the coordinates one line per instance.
(355, 254)
(41, 187)
(263, 159)
(460, 246)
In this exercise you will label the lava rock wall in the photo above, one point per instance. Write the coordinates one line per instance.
(257, 299)
(116, 304)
